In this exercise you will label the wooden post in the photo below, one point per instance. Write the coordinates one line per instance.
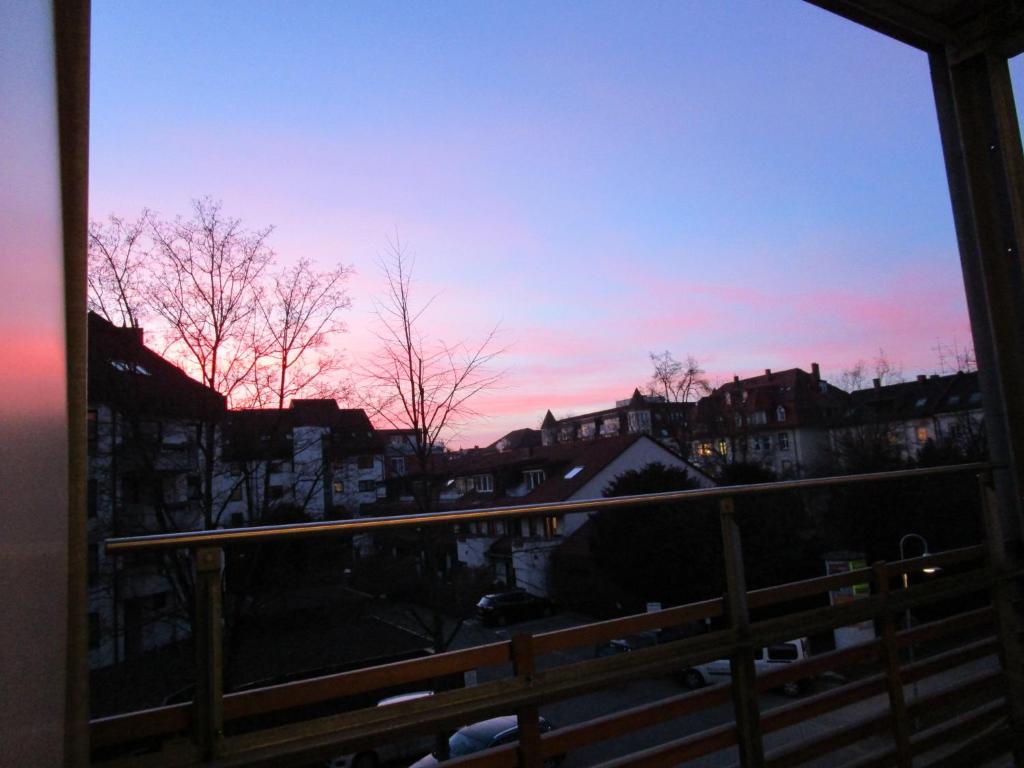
(741, 662)
(893, 677)
(1007, 624)
(528, 717)
(208, 704)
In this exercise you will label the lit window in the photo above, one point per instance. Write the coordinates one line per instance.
(338, 486)
(573, 472)
(723, 447)
(552, 526)
(705, 449)
(922, 434)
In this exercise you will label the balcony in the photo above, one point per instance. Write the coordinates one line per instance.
(952, 702)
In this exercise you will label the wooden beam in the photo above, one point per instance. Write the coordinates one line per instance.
(893, 19)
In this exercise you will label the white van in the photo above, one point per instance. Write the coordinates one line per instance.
(404, 750)
(765, 660)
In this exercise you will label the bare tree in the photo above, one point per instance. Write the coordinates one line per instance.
(954, 357)
(301, 314)
(206, 287)
(887, 371)
(418, 383)
(115, 282)
(680, 382)
(426, 386)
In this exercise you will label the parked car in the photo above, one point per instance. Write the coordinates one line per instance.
(765, 660)
(626, 644)
(485, 735)
(515, 605)
(402, 750)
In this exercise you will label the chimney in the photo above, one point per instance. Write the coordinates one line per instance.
(921, 378)
(767, 371)
(815, 371)
(735, 379)
(877, 383)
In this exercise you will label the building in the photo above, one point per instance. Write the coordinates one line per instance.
(517, 552)
(897, 422)
(312, 459)
(147, 426)
(779, 420)
(639, 414)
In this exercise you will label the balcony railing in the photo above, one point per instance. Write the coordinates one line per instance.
(978, 714)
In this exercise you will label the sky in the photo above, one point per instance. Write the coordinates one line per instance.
(758, 184)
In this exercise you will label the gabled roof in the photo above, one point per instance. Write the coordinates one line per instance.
(125, 374)
(923, 397)
(518, 438)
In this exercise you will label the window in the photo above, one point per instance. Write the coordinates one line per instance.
(237, 520)
(92, 496)
(483, 483)
(639, 421)
(975, 398)
(922, 434)
(759, 417)
(920, 402)
(610, 426)
(125, 366)
(728, 399)
(787, 466)
(588, 429)
(397, 465)
(276, 491)
(738, 418)
(783, 441)
(338, 487)
(194, 487)
(705, 449)
(954, 400)
(762, 442)
(780, 413)
(723, 447)
(566, 434)
(552, 526)
(236, 493)
(533, 478)
(92, 425)
(366, 486)
(573, 472)
(365, 462)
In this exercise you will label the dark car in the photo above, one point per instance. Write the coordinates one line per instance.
(484, 735)
(516, 605)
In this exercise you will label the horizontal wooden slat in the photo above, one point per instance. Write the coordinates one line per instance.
(674, 752)
(795, 754)
(816, 586)
(146, 723)
(949, 659)
(305, 692)
(937, 560)
(591, 634)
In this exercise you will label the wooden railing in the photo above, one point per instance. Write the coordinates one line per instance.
(194, 732)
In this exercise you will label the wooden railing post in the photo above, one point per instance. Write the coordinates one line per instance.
(1007, 623)
(893, 676)
(523, 660)
(208, 715)
(741, 663)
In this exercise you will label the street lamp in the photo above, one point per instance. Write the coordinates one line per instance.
(906, 584)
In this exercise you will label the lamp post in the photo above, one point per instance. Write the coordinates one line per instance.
(906, 584)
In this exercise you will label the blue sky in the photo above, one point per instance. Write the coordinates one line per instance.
(759, 184)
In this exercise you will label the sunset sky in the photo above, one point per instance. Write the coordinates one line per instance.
(759, 184)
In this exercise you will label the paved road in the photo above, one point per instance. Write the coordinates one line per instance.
(643, 691)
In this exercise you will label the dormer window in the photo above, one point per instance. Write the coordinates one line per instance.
(573, 472)
(780, 413)
(125, 367)
(532, 478)
(728, 399)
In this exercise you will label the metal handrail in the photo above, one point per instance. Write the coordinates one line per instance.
(225, 536)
